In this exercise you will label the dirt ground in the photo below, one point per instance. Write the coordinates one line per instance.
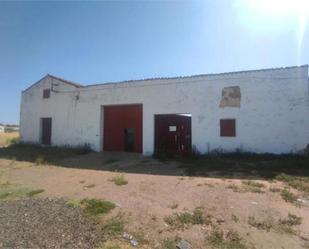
(157, 189)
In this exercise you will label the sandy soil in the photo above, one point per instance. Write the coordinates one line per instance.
(153, 189)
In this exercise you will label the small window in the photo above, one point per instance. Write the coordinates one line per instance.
(46, 93)
(227, 128)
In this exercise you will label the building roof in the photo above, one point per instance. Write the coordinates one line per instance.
(77, 85)
(65, 81)
(12, 125)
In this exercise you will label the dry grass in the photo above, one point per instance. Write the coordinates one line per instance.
(119, 180)
(288, 196)
(286, 225)
(246, 165)
(12, 192)
(41, 155)
(182, 220)
(247, 186)
(92, 207)
(8, 138)
(95, 207)
(231, 240)
(109, 245)
(265, 224)
(114, 226)
(298, 182)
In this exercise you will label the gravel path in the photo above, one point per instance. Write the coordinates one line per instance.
(45, 223)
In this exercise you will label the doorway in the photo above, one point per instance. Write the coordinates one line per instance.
(173, 134)
(46, 131)
(123, 128)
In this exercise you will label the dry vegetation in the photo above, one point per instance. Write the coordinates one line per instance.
(8, 138)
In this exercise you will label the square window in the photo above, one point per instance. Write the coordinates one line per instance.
(46, 93)
(227, 128)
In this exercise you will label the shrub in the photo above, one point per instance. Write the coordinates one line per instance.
(262, 225)
(287, 225)
(114, 226)
(232, 240)
(289, 197)
(291, 220)
(119, 180)
(94, 207)
(180, 220)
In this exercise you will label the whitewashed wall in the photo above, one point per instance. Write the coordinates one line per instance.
(273, 116)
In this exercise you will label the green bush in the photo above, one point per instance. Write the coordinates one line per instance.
(96, 207)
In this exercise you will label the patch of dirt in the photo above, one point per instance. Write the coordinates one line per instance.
(157, 189)
(45, 223)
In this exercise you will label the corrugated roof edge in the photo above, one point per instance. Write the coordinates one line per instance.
(65, 81)
(165, 78)
(199, 75)
(57, 78)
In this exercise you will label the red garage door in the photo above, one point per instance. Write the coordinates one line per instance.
(123, 128)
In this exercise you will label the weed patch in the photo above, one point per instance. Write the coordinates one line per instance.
(39, 154)
(253, 184)
(235, 218)
(245, 165)
(299, 183)
(168, 244)
(234, 187)
(119, 180)
(95, 207)
(35, 192)
(40, 160)
(74, 203)
(275, 190)
(181, 220)
(109, 246)
(231, 240)
(114, 226)
(247, 186)
(289, 197)
(18, 192)
(254, 187)
(286, 225)
(266, 224)
(9, 138)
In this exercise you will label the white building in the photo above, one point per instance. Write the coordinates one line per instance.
(1, 128)
(261, 111)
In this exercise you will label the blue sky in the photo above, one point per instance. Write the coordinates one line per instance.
(96, 42)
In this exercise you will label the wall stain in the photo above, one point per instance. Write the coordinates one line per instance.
(231, 97)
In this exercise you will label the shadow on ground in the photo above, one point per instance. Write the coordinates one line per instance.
(234, 165)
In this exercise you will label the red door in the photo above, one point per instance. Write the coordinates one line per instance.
(123, 128)
(173, 134)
